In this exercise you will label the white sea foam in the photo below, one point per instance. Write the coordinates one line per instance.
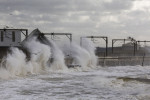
(93, 85)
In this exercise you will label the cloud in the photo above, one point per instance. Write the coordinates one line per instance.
(114, 18)
(117, 5)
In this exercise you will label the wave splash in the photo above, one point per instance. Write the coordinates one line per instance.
(45, 56)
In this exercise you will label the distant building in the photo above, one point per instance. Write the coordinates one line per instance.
(11, 37)
(130, 46)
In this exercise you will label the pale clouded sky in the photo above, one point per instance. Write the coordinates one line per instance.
(112, 18)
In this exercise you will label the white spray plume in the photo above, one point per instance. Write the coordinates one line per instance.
(14, 64)
(90, 47)
(80, 55)
(84, 56)
(40, 54)
(4, 73)
(58, 59)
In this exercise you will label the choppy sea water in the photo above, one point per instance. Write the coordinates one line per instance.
(103, 83)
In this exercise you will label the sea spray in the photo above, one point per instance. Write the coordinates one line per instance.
(14, 64)
(54, 57)
(90, 47)
(80, 55)
(58, 57)
(41, 51)
(40, 54)
(4, 73)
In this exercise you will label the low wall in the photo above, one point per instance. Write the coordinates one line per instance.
(124, 61)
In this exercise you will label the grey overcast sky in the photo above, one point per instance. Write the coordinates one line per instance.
(112, 18)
